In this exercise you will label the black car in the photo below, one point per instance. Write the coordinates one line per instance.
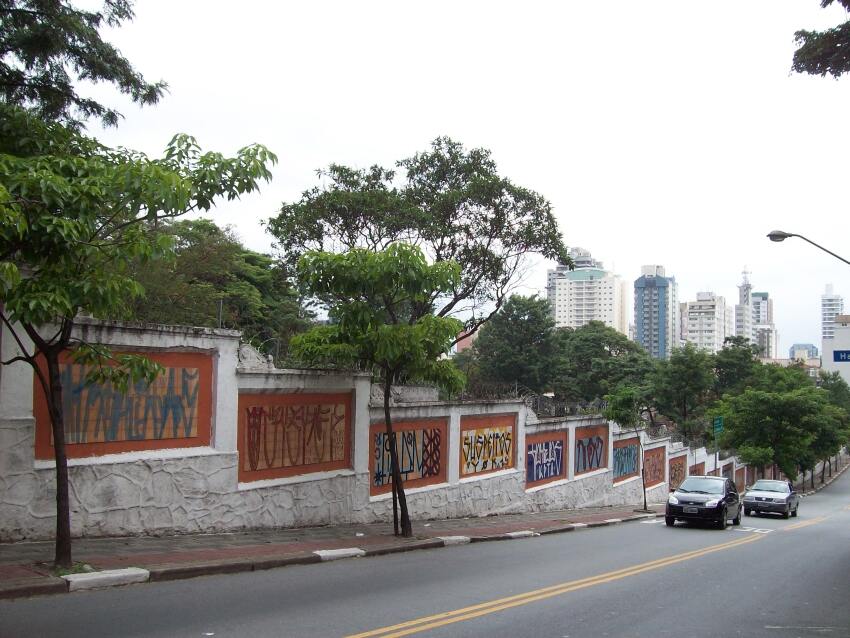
(711, 499)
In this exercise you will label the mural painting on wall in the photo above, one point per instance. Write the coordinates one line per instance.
(741, 478)
(625, 461)
(591, 449)
(487, 444)
(729, 471)
(678, 468)
(545, 458)
(697, 469)
(653, 466)
(422, 450)
(173, 411)
(287, 434)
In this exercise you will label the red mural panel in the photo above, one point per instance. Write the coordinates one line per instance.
(591, 449)
(653, 466)
(172, 412)
(546, 457)
(487, 444)
(698, 469)
(421, 448)
(289, 434)
(678, 470)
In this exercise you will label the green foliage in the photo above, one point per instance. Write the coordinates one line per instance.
(452, 203)
(624, 406)
(47, 46)
(211, 267)
(734, 365)
(824, 52)
(594, 359)
(837, 389)
(681, 383)
(518, 344)
(379, 310)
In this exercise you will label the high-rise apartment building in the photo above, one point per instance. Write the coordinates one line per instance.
(588, 293)
(802, 351)
(764, 329)
(707, 322)
(831, 305)
(744, 309)
(656, 312)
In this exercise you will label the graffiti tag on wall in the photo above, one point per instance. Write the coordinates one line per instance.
(678, 466)
(653, 466)
(740, 479)
(421, 451)
(729, 471)
(282, 435)
(545, 460)
(591, 449)
(173, 411)
(698, 469)
(486, 444)
(625, 461)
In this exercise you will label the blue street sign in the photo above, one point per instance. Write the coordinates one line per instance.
(841, 355)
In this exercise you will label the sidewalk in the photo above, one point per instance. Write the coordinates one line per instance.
(25, 567)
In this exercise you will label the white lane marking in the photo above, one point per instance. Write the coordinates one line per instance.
(754, 530)
(653, 521)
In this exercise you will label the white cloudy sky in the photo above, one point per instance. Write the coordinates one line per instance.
(665, 132)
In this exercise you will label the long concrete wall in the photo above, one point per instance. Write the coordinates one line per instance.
(289, 448)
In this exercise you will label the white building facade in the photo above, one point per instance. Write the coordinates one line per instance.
(707, 321)
(588, 293)
(831, 305)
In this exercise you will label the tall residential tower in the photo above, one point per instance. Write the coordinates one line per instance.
(656, 312)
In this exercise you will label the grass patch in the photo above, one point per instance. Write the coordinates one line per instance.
(76, 568)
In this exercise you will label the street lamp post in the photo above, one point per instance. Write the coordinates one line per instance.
(781, 235)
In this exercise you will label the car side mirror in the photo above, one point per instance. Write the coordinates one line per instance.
(672, 489)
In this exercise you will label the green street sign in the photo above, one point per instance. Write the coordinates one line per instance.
(718, 425)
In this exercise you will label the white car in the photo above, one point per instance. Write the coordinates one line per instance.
(777, 497)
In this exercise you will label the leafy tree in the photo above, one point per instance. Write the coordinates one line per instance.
(824, 52)
(73, 217)
(212, 277)
(734, 365)
(779, 425)
(837, 389)
(379, 307)
(624, 406)
(46, 46)
(594, 359)
(518, 344)
(681, 384)
(452, 203)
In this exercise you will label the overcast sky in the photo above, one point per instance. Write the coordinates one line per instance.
(667, 133)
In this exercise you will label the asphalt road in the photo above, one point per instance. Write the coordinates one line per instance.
(769, 577)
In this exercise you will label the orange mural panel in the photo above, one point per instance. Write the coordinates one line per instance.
(741, 479)
(698, 469)
(289, 434)
(421, 448)
(678, 470)
(653, 466)
(487, 444)
(591, 448)
(174, 411)
(626, 455)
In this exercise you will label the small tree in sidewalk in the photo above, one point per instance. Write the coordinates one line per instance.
(625, 407)
(379, 305)
(72, 219)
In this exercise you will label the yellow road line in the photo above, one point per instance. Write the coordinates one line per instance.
(481, 609)
(814, 521)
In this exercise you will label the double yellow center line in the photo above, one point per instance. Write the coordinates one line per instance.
(482, 609)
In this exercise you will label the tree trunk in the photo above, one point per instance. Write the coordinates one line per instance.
(813, 478)
(829, 460)
(62, 557)
(406, 527)
(822, 472)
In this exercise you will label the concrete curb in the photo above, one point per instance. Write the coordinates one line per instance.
(829, 481)
(166, 572)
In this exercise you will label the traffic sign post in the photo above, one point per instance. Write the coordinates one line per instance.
(718, 428)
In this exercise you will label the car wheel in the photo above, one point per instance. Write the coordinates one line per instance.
(737, 519)
(748, 511)
(787, 512)
(669, 521)
(724, 519)
(794, 513)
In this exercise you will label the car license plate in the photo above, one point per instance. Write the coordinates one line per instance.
(691, 510)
